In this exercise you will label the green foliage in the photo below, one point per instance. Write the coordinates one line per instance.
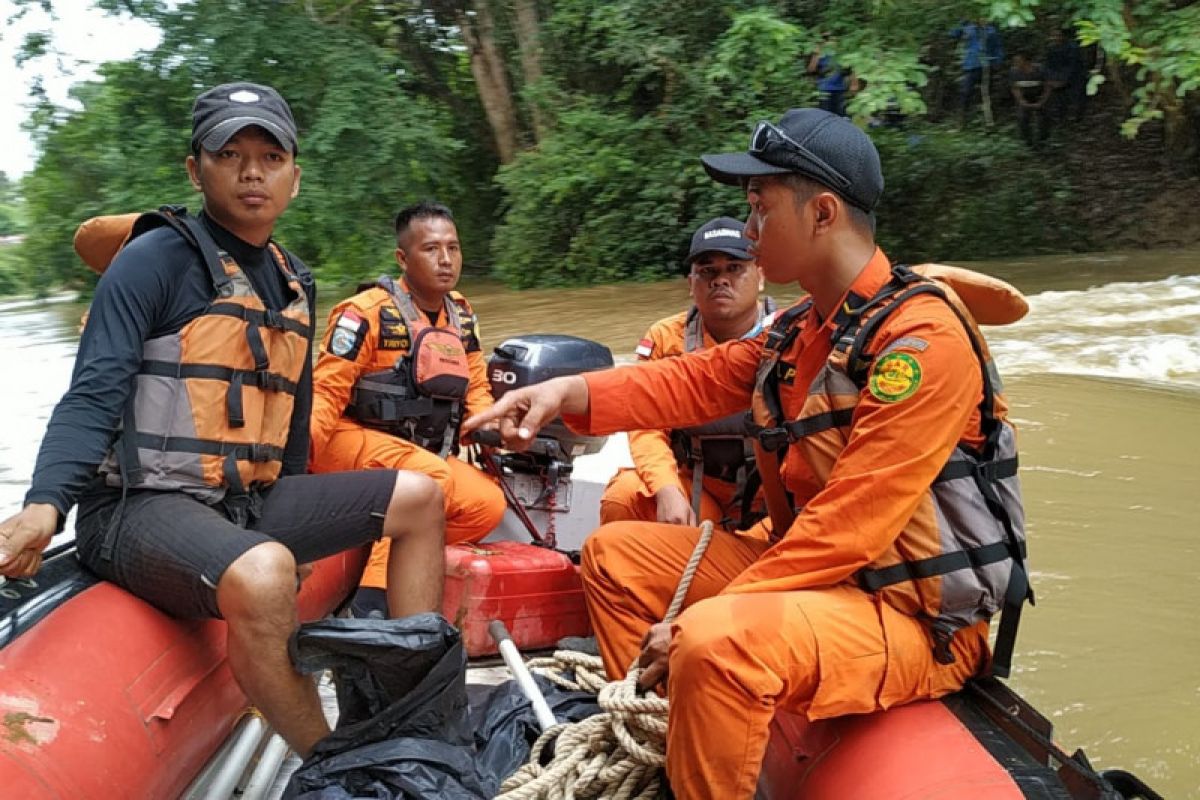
(366, 147)
(1155, 40)
(952, 195)
(631, 91)
(606, 198)
(12, 219)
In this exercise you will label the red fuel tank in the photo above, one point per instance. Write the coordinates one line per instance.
(534, 591)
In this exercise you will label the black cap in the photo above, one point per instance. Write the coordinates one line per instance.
(721, 235)
(825, 147)
(221, 112)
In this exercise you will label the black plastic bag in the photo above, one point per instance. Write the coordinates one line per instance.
(506, 727)
(405, 730)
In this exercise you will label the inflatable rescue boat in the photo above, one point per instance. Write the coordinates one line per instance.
(103, 696)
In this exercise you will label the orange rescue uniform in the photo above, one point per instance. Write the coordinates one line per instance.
(630, 493)
(785, 626)
(474, 503)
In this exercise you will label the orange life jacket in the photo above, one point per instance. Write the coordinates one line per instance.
(211, 405)
(721, 449)
(419, 396)
(961, 556)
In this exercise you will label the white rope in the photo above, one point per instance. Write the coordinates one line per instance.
(617, 754)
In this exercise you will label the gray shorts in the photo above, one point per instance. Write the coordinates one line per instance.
(171, 549)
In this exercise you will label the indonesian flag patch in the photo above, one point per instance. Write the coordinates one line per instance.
(350, 321)
(346, 337)
(644, 349)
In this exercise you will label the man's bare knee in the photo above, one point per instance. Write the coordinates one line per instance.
(262, 580)
(416, 503)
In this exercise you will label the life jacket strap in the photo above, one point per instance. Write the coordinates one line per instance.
(697, 474)
(872, 580)
(265, 380)
(268, 318)
(256, 452)
(1015, 595)
(987, 470)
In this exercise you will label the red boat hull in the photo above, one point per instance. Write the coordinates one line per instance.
(109, 697)
(916, 751)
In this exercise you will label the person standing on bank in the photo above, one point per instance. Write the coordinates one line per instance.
(399, 369)
(683, 476)
(900, 459)
(184, 433)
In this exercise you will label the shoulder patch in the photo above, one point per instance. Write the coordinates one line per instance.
(645, 348)
(393, 333)
(895, 377)
(346, 335)
(907, 343)
(350, 320)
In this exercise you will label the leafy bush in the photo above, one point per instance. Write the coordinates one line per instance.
(962, 195)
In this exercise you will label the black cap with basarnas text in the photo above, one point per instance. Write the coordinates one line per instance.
(821, 146)
(721, 235)
(221, 112)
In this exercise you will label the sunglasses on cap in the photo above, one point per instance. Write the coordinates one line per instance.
(769, 143)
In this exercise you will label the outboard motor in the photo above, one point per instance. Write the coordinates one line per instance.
(540, 477)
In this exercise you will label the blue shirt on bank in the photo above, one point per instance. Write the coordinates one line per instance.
(980, 43)
(832, 78)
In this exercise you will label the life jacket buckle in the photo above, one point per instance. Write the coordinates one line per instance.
(773, 439)
(943, 635)
(273, 319)
(259, 453)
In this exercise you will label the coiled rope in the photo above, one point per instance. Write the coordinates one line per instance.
(617, 754)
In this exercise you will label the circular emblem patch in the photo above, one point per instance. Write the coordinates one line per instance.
(895, 377)
(342, 343)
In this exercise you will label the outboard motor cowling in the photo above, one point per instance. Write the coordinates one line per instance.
(540, 477)
(526, 360)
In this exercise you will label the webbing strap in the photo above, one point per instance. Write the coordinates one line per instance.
(389, 410)
(234, 413)
(261, 319)
(872, 580)
(697, 474)
(1015, 595)
(262, 359)
(988, 470)
(1019, 589)
(193, 230)
(256, 453)
(808, 426)
(268, 381)
(129, 465)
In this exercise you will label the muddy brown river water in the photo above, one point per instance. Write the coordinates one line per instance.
(1104, 380)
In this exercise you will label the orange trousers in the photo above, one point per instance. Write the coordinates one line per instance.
(474, 503)
(737, 658)
(626, 497)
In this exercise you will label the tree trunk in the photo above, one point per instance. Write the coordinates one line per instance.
(528, 32)
(491, 79)
(1179, 131)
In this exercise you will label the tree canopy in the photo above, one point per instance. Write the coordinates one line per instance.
(564, 133)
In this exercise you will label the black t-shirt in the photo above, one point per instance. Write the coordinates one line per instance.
(1028, 82)
(154, 287)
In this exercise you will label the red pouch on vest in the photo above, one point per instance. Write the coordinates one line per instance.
(439, 364)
